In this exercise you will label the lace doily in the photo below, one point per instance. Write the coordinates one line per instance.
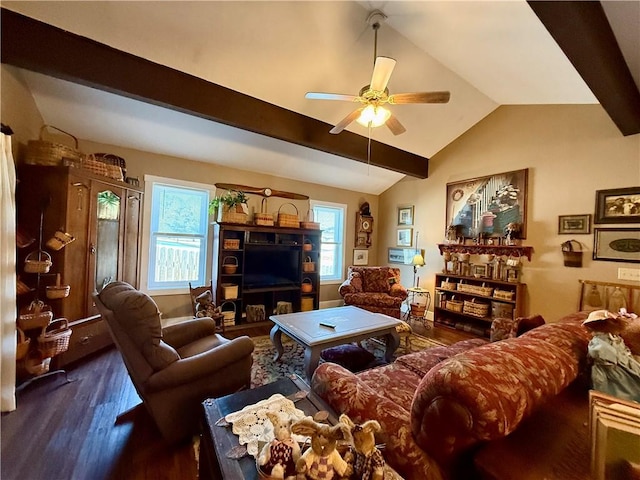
(254, 428)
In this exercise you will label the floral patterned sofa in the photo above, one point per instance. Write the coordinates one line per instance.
(439, 406)
(376, 289)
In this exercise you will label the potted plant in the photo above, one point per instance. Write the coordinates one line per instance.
(234, 207)
(214, 207)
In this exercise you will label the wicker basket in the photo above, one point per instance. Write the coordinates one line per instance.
(229, 291)
(477, 309)
(51, 154)
(231, 243)
(37, 261)
(287, 219)
(309, 223)
(475, 289)
(23, 344)
(306, 286)
(113, 160)
(454, 305)
(231, 215)
(94, 166)
(418, 309)
(306, 304)
(36, 315)
(503, 294)
(263, 218)
(307, 246)
(308, 266)
(55, 339)
(228, 316)
(230, 268)
(447, 285)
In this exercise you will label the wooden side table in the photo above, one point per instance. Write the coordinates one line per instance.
(217, 441)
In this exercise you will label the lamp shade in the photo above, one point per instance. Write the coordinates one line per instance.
(418, 260)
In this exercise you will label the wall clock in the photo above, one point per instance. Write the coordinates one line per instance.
(364, 228)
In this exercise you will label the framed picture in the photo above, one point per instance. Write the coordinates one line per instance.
(405, 237)
(401, 255)
(479, 271)
(620, 205)
(361, 257)
(405, 215)
(484, 206)
(614, 427)
(574, 224)
(617, 244)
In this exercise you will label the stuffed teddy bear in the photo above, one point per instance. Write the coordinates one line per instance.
(204, 305)
(279, 457)
(322, 461)
(369, 462)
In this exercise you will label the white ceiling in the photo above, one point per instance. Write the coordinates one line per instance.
(487, 53)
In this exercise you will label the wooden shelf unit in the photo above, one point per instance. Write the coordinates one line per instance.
(256, 242)
(505, 250)
(498, 307)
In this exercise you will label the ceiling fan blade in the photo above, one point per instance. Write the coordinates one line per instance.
(382, 71)
(395, 126)
(420, 97)
(261, 191)
(346, 121)
(330, 96)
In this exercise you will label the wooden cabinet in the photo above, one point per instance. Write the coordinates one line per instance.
(273, 265)
(103, 215)
(470, 304)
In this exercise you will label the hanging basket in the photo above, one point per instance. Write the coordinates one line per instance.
(23, 344)
(288, 219)
(55, 339)
(572, 257)
(58, 291)
(37, 261)
(36, 315)
(51, 154)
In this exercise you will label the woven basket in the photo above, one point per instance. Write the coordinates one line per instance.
(230, 268)
(503, 294)
(231, 243)
(454, 305)
(51, 154)
(306, 286)
(37, 261)
(307, 246)
(55, 339)
(263, 218)
(228, 316)
(114, 160)
(309, 223)
(447, 285)
(94, 166)
(287, 219)
(23, 344)
(476, 309)
(308, 266)
(36, 315)
(475, 289)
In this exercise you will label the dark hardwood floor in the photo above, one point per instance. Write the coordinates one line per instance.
(77, 430)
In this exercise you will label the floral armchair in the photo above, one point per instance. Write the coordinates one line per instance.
(376, 289)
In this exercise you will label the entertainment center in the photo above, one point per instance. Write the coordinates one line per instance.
(276, 268)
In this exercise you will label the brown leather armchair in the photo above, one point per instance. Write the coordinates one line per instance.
(176, 368)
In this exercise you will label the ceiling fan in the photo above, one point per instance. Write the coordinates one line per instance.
(372, 97)
(265, 192)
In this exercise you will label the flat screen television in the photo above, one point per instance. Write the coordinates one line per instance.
(271, 266)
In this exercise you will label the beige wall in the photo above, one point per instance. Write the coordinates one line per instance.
(570, 151)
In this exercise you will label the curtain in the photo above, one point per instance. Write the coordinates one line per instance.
(7, 276)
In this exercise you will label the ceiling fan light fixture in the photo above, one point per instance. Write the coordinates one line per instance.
(373, 115)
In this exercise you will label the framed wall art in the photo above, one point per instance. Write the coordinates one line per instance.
(617, 244)
(484, 206)
(614, 425)
(361, 257)
(405, 237)
(401, 255)
(405, 215)
(574, 224)
(619, 205)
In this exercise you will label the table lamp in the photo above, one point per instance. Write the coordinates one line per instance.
(417, 262)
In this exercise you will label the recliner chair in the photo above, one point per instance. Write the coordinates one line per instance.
(176, 368)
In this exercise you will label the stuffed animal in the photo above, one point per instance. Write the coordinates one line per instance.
(369, 462)
(204, 305)
(625, 325)
(279, 457)
(322, 461)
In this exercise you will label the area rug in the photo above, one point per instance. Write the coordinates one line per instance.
(266, 370)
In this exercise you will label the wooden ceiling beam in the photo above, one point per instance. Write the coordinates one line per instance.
(37, 46)
(582, 31)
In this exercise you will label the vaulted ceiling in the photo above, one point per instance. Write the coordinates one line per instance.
(224, 82)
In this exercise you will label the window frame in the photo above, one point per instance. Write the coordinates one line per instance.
(341, 276)
(146, 257)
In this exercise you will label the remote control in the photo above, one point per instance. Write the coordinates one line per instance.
(328, 325)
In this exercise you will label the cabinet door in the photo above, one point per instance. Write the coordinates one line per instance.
(107, 226)
(131, 251)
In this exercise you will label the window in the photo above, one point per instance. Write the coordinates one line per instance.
(331, 217)
(178, 234)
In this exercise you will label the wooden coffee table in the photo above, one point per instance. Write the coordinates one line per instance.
(349, 324)
(217, 441)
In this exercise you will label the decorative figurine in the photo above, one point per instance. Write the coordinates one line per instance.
(279, 457)
(369, 462)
